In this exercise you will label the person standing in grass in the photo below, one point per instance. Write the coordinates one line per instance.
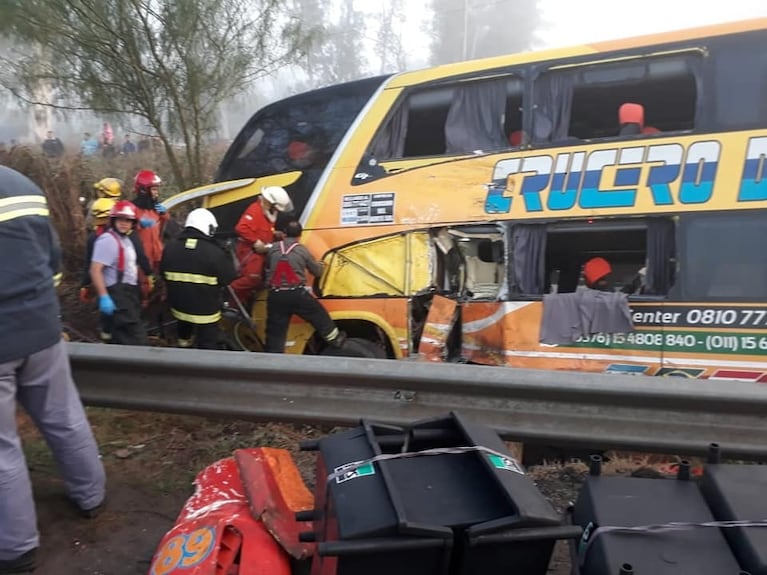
(34, 371)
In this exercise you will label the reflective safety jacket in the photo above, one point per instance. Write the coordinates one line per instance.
(29, 260)
(195, 269)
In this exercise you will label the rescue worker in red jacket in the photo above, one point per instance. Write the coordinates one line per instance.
(151, 217)
(255, 235)
(287, 262)
(195, 269)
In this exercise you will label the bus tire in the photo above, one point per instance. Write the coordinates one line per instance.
(356, 347)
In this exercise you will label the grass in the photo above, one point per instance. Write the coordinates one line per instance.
(164, 452)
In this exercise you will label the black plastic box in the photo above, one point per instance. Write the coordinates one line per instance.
(606, 501)
(739, 493)
(475, 507)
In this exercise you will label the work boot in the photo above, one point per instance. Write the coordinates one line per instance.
(23, 564)
(91, 512)
(339, 340)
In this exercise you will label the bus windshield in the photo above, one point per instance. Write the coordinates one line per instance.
(299, 133)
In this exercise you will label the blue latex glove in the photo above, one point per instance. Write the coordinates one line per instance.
(106, 305)
(146, 222)
(160, 209)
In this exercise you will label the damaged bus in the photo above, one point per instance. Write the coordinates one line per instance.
(453, 206)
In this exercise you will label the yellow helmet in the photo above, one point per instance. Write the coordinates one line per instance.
(101, 207)
(109, 187)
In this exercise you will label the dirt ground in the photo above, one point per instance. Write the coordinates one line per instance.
(151, 460)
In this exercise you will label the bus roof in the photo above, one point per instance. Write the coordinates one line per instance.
(458, 68)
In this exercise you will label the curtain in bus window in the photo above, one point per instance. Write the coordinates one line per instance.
(528, 243)
(661, 251)
(390, 143)
(475, 119)
(553, 107)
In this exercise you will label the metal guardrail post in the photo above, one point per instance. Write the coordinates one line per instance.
(590, 410)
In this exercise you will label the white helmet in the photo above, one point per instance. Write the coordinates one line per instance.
(202, 220)
(278, 197)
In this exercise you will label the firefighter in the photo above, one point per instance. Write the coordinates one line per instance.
(114, 273)
(195, 268)
(151, 217)
(287, 262)
(100, 211)
(107, 190)
(34, 370)
(255, 235)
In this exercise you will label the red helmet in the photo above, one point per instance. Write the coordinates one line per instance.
(145, 179)
(123, 209)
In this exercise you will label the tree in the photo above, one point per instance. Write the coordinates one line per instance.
(339, 57)
(168, 63)
(388, 44)
(467, 29)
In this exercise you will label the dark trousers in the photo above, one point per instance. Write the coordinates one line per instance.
(206, 334)
(281, 305)
(125, 324)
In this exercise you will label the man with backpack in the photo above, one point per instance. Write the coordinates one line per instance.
(286, 265)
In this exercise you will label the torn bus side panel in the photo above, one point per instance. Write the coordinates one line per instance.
(440, 322)
(470, 265)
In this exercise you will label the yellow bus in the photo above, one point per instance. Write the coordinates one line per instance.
(452, 205)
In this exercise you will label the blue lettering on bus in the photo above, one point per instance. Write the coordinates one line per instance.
(699, 172)
(753, 184)
(579, 178)
(661, 176)
(568, 175)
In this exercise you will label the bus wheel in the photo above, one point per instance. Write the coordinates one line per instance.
(239, 336)
(356, 347)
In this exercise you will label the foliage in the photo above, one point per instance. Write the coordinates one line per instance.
(337, 54)
(388, 45)
(68, 179)
(170, 64)
(467, 29)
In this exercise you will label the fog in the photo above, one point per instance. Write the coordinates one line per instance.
(559, 23)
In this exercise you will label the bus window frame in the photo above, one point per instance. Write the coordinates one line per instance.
(700, 72)
(517, 72)
(601, 225)
(683, 292)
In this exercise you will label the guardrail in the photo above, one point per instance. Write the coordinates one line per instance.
(595, 411)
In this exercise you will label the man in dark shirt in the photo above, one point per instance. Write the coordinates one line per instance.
(52, 146)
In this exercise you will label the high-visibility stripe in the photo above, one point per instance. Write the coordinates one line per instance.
(332, 335)
(20, 206)
(191, 278)
(28, 199)
(57, 279)
(199, 319)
